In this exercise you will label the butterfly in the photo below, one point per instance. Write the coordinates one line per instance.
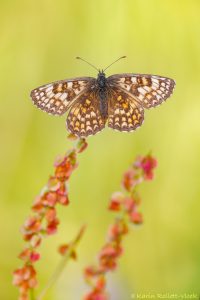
(119, 100)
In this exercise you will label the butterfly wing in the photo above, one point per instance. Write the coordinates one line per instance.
(55, 98)
(84, 117)
(124, 112)
(148, 90)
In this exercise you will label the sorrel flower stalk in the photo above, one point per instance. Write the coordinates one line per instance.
(126, 207)
(44, 222)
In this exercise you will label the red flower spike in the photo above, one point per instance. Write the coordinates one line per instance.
(64, 200)
(71, 156)
(147, 164)
(50, 214)
(117, 230)
(24, 296)
(34, 256)
(112, 250)
(92, 271)
(49, 199)
(116, 201)
(101, 283)
(96, 295)
(52, 227)
(64, 170)
(32, 225)
(62, 194)
(136, 198)
(25, 254)
(44, 220)
(136, 217)
(108, 256)
(53, 184)
(98, 292)
(29, 256)
(59, 161)
(35, 241)
(129, 204)
(27, 237)
(38, 205)
(25, 277)
(128, 181)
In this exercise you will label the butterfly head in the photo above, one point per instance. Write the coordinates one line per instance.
(101, 79)
(101, 73)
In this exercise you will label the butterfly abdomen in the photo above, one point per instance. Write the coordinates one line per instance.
(103, 104)
(102, 93)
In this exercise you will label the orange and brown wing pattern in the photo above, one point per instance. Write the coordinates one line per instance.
(149, 90)
(55, 98)
(124, 112)
(84, 117)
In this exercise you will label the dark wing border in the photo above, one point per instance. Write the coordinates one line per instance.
(65, 80)
(113, 83)
(137, 75)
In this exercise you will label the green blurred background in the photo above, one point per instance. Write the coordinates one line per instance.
(38, 43)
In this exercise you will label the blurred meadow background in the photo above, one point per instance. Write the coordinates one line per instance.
(38, 43)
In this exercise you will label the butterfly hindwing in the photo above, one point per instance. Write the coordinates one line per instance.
(149, 90)
(124, 112)
(84, 117)
(55, 98)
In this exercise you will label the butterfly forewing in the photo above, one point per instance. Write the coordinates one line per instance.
(84, 117)
(55, 98)
(124, 113)
(148, 90)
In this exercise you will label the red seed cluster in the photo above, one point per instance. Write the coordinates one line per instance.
(44, 220)
(125, 204)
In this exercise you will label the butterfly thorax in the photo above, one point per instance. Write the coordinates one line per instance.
(102, 91)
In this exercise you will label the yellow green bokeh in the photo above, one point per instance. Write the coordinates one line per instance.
(38, 43)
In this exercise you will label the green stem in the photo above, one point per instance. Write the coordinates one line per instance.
(62, 264)
(32, 294)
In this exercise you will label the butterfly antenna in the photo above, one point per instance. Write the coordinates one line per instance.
(87, 62)
(114, 62)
